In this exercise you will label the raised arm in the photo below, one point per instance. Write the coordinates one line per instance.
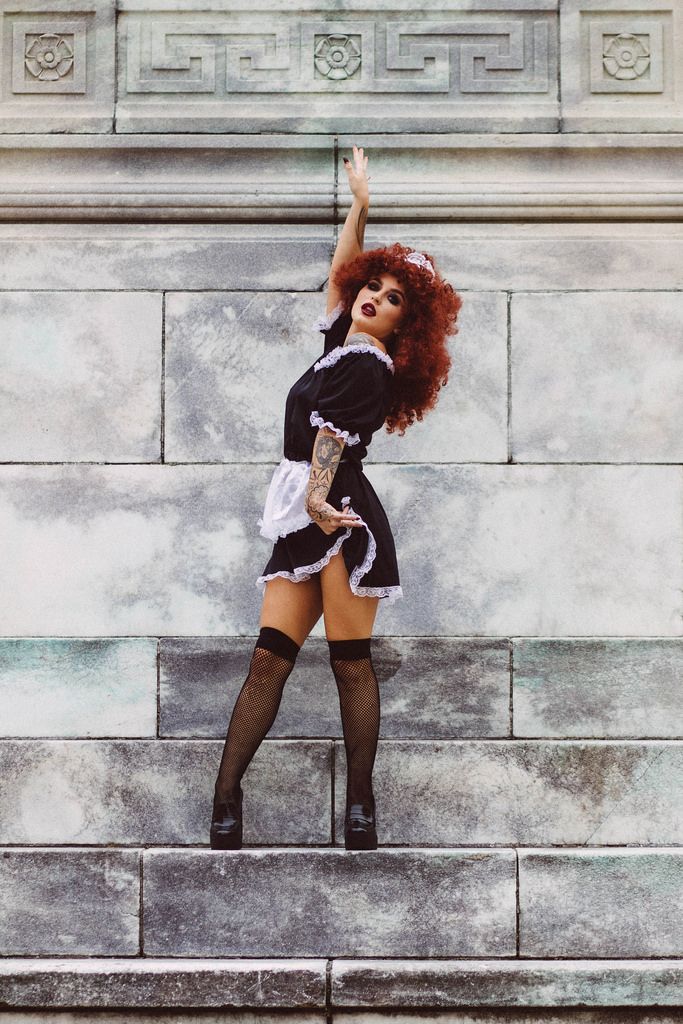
(350, 242)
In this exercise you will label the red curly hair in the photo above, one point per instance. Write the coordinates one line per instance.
(421, 358)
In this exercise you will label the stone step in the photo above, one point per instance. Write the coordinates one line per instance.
(505, 792)
(469, 687)
(299, 902)
(158, 983)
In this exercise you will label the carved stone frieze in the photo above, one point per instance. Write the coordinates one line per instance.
(302, 72)
(622, 65)
(58, 75)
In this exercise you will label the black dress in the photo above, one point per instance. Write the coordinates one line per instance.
(348, 389)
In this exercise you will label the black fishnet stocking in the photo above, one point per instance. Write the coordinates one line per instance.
(360, 713)
(255, 709)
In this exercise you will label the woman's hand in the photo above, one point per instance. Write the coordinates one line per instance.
(358, 179)
(329, 519)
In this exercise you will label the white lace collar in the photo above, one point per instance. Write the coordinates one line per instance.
(343, 350)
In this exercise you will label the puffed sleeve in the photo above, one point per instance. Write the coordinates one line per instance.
(334, 327)
(352, 396)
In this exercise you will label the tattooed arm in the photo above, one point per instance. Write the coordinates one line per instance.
(327, 451)
(352, 235)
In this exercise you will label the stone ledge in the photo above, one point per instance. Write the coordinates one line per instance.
(163, 982)
(505, 983)
(157, 983)
(291, 179)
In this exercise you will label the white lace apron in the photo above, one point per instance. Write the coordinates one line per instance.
(284, 510)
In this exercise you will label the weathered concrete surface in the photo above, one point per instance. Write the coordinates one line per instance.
(430, 687)
(523, 550)
(162, 984)
(231, 358)
(342, 902)
(461, 991)
(296, 257)
(608, 365)
(597, 687)
(150, 792)
(68, 687)
(593, 903)
(523, 792)
(69, 902)
(458, 984)
(81, 377)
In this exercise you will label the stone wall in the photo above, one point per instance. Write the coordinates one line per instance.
(170, 199)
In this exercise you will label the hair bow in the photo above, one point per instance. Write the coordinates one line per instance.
(421, 261)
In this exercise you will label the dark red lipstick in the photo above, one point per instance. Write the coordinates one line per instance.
(368, 309)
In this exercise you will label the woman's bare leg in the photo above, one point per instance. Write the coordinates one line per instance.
(349, 620)
(292, 607)
(288, 613)
(346, 615)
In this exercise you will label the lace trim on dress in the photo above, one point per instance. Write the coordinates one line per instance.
(343, 350)
(325, 322)
(304, 572)
(318, 421)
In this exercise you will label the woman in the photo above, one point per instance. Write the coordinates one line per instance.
(384, 361)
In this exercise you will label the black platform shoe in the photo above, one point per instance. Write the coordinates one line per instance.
(360, 831)
(226, 824)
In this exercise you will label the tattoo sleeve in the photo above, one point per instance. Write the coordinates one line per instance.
(327, 452)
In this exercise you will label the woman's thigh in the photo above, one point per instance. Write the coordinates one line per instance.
(347, 616)
(292, 607)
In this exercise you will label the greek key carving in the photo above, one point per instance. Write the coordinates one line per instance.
(303, 56)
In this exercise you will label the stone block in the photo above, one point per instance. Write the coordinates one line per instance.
(81, 377)
(329, 902)
(469, 423)
(296, 257)
(146, 792)
(607, 903)
(546, 257)
(118, 542)
(69, 902)
(622, 66)
(534, 550)
(493, 550)
(72, 687)
(167, 986)
(597, 687)
(476, 991)
(591, 988)
(429, 687)
(231, 358)
(609, 368)
(522, 792)
(275, 257)
(59, 75)
(324, 69)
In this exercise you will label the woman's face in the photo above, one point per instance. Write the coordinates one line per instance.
(380, 307)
